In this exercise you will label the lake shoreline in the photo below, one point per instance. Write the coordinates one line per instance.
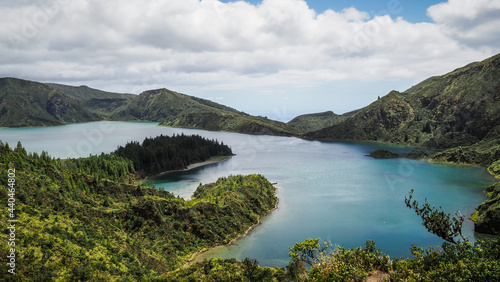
(306, 169)
(192, 166)
(196, 257)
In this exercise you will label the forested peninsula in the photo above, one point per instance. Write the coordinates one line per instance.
(88, 219)
(73, 225)
(164, 153)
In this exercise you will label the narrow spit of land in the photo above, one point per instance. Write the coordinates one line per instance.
(194, 166)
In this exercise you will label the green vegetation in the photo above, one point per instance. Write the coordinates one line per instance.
(445, 226)
(217, 269)
(96, 101)
(27, 103)
(457, 109)
(451, 262)
(383, 154)
(463, 261)
(308, 251)
(485, 153)
(487, 216)
(386, 154)
(161, 104)
(315, 122)
(164, 153)
(220, 121)
(454, 261)
(86, 219)
(80, 219)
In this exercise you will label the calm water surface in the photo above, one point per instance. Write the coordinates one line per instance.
(327, 190)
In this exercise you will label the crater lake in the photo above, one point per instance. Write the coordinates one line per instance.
(327, 190)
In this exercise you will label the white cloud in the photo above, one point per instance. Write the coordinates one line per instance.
(135, 45)
(215, 98)
(470, 22)
(457, 11)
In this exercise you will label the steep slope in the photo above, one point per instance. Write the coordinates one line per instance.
(487, 216)
(180, 110)
(97, 101)
(456, 109)
(82, 220)
(231, 122)
(484, 153)
(314, 122)
(160, 104)
(28, 103)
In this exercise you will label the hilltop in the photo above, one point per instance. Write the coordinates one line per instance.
(223, 121)
(97, 101)
(314, 122)
(28, 103)
(457, 109)
(160, 104)
(88, 219)
(179, 110)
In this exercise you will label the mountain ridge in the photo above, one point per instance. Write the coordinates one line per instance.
(28, 103)
(98, 101)
(455, 109)
(57, 104)
(458, 108)
(160, 104)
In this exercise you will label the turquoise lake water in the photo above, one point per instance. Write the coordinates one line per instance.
(327, 190)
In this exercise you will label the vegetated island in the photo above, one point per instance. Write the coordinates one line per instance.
(386, 154)
(87, 219)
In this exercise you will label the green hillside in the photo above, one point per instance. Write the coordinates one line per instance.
(456, 109)
(97, 101)
(459, 112)
(86, 219)
(314, 122)
(28, 103)
(180, 110)
(161, 104)
(232, 122)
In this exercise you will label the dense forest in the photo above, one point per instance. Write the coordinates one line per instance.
(88, 220)
(164, 153)
(82, 220)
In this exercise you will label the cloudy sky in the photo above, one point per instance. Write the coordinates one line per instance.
(278, 58)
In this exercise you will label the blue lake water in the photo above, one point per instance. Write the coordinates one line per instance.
(327, 190)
